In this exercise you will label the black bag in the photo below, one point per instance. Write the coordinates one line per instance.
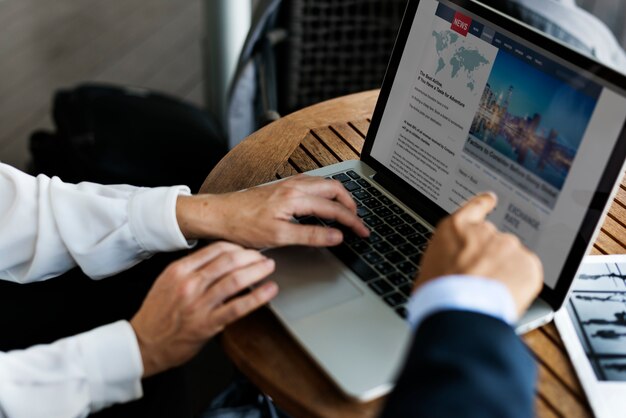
(113, 135)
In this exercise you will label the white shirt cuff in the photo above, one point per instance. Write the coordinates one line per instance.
(113, 364)
(462, 293)
(152, 218)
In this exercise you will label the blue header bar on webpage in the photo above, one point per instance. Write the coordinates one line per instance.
(523, 53)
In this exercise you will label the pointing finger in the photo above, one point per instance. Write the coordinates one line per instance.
(476, 209)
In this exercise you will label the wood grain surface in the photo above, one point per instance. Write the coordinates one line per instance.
(325, 134)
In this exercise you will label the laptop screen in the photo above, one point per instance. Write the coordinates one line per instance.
(474, 107)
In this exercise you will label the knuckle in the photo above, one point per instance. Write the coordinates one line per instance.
(280, 235)
(290, 193)
(203, 275)
(256, 299)
(341, 210)
(510, 242)
(185, 290)
(230, 258)
(455, 223)
(238, 310)
(177, 268)
(484, 234)
(337, 185)
(489, 227)
(227, 317)
(238, 281)
(314, 234)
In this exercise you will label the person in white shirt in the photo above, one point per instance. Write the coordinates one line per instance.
(48, 227)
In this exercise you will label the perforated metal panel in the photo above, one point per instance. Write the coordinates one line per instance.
(335, 47)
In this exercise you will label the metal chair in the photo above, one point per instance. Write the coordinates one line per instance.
(301, 52)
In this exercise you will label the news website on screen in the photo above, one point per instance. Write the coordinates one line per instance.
(475, 108)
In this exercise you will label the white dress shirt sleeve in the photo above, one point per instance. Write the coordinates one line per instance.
(462, 293)
(48, 227)
(73, 376)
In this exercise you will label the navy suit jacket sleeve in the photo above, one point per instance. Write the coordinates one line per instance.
(465, 364)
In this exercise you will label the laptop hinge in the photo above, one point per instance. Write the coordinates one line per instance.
(387, 182)
(419, 203)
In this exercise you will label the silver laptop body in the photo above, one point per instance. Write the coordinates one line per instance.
(352, 332)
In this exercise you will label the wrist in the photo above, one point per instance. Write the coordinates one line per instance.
(199, 217)
(149, 358)
(465, 293)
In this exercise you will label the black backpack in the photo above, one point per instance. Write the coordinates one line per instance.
(114, 135)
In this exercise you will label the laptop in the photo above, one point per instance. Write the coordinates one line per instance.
(472, 101)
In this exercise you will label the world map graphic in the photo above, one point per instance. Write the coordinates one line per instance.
(455, 55)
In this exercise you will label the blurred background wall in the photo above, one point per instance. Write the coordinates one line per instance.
(157, 44)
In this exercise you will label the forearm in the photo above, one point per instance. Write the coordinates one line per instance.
(262, 217)
(72, 377)
(48, 227)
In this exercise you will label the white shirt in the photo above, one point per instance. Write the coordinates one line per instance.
(466, 293)
(579, 28)
(47, 227)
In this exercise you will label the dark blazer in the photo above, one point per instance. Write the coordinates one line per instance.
(465, 364)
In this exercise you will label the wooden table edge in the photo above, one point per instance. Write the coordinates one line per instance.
(282, 136)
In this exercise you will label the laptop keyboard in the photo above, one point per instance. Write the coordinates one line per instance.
(388, 260)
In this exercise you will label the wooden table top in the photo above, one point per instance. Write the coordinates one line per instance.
(325, 134)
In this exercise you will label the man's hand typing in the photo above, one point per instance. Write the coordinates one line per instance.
(261, 217)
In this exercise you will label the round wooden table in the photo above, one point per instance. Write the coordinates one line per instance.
(324, 134)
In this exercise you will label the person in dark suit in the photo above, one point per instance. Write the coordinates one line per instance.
(466, 360)
(464, 364)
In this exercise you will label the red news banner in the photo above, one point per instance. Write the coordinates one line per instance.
(461, 23)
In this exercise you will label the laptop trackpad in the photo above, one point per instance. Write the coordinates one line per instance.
(310, 281)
